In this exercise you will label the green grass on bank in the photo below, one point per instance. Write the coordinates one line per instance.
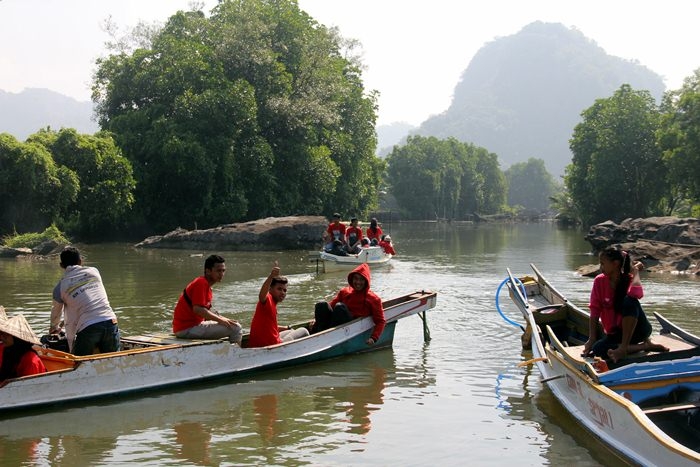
(32, 239)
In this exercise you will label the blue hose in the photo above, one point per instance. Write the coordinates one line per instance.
(498, 305)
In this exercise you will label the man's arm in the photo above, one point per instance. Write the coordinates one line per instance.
(265, 287)
(56, 313)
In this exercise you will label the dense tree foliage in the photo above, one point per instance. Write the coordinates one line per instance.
(617, 170)
(35, 191)
(81, 183)
(433, 178)
(251, 112)
(679, 138)
(530, 185)
(105, 177)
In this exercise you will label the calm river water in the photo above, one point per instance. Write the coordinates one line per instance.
(459, 399)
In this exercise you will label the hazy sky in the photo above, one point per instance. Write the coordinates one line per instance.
(414, 51)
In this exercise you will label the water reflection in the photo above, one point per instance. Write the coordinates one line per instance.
(521, 396)
(194, 442)
(204, 425)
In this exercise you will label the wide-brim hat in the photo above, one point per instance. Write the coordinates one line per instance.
(18, 327)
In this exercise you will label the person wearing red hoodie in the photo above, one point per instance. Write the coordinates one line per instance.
(356, 300)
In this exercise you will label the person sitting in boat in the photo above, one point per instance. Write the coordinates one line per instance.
(387, 246)
(80, 297)
(335, 231)
(16, 341)
(264, 329)
(194, 317)
(337, 249)
(356, 300)
(353, 234)
(374, 232)
(615, 301)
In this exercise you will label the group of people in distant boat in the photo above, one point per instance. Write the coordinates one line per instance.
(341, 240)
(89, 323)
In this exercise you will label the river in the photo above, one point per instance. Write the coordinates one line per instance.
(458, 399)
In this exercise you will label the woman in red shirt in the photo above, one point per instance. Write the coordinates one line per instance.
(374, 232)
(18, 356)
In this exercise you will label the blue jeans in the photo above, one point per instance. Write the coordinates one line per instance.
(103, 335)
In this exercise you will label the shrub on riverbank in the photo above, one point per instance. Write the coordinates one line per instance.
(33, 239)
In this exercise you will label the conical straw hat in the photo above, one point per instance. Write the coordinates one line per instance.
(3, 316)
(18, 327)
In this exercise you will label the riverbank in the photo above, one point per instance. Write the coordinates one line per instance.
(272, 233)
(662, 244)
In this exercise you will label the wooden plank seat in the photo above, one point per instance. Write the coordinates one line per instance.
(162, 339)
(672, 408)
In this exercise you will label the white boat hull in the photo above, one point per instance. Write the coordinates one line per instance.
(374, 256)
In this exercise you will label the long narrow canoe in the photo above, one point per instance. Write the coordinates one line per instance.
(155, 361)
(645, 407)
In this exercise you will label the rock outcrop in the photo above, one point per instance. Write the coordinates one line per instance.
(44, 249)
(663, 244)
(272, 233)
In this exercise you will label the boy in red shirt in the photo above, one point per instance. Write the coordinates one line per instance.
(264, 329)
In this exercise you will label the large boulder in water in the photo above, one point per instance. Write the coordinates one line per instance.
(272, 233)
(668, 244)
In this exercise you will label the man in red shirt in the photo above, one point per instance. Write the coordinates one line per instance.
(354, 236)
(264, 329)
(194, 317)
(335, 231)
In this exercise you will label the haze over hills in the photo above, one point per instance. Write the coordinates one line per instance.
(25, 113)
(522, 95)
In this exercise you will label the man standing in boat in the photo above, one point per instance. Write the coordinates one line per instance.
(194, 317)
(80, 296)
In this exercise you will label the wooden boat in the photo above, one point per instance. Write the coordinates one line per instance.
(327, 262)
(645, 407)
(154, 361)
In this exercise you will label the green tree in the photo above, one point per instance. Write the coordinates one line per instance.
(432, 178)
(617, 170)
(530, 185)
(35, 191)
(105, 178)
(252, 112)
(679, 138)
